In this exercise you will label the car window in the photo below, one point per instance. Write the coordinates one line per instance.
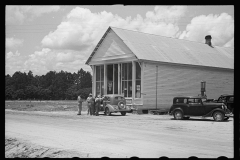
(222, 99)
(179, 100)
(107, 98)
(231, 99)
(190, 100)
(185, 101)
(194, 101)
(119, 98)
(204, 100)
(197, 100)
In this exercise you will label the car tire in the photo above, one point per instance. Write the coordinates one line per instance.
(123, 113)
(218, 116)
(178, 115)
(107, 112)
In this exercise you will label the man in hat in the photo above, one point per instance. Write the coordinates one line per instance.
(90, 104)
(97, 104)
(80, 100)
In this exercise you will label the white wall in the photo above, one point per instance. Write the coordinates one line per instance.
(179, 80)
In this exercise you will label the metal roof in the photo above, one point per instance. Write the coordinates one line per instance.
(172, 50)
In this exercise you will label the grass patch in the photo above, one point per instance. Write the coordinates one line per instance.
(48, 106)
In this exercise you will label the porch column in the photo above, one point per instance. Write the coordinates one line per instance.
(142, 78)
(133, 80)
(93, 80)
(105, 79)
(119, 79)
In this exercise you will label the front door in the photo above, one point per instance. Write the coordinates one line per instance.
(112, 79)
(195, 107)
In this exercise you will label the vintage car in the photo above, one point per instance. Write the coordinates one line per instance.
(113, 103)
(190, 106)
(228, 100)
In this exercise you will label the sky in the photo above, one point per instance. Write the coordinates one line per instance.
(53, 38)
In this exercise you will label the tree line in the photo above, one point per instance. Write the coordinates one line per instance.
(52, 86)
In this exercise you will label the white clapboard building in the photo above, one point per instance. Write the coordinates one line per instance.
(149, 70)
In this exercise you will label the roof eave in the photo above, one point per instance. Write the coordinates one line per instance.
(145, 60)
(97, 46)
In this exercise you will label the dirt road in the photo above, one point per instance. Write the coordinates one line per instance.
(116, 136)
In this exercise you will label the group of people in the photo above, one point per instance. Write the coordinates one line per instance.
(92, 103)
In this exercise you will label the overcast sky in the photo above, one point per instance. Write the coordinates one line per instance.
(55, 38)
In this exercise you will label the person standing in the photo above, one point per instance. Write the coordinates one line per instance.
(80, 100)
(97, 104)
(90, 104)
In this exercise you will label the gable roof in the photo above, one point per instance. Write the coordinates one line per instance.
(171, 50)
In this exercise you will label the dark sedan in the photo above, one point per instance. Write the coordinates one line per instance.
(228, 100)
(190, 106)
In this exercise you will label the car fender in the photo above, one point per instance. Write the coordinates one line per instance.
(177, 109)
(110, 107)
(210, 114)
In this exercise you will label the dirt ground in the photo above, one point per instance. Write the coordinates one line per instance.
(64, 134)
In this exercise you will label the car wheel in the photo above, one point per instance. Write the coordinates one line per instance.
(123, 113)
(107, 112)
(218, 116)
(178, 114)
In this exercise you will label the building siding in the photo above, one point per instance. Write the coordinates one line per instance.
(177, 80)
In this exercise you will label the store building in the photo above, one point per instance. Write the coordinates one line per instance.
(149, 70)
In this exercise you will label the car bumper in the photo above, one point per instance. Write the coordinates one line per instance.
(122, 110)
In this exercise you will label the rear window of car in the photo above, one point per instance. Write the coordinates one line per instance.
(181, 100)
(106, 98)
(119, 98)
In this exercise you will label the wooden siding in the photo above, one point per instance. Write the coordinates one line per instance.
(176, 80)
(112, 48)
(149, 84)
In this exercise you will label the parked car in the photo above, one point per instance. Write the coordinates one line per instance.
(228, 100)
(113, 104)
(190, 106)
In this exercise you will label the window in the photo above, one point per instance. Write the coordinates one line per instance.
(99, 80)
(138, 81)
(181, 100)
(222, 99)
(194, 101)
(115, 79)
(190, 100)
(231, 99)
(197, 101)
(112, 79)
(127, 79)
(185, 101)
(119, 98)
